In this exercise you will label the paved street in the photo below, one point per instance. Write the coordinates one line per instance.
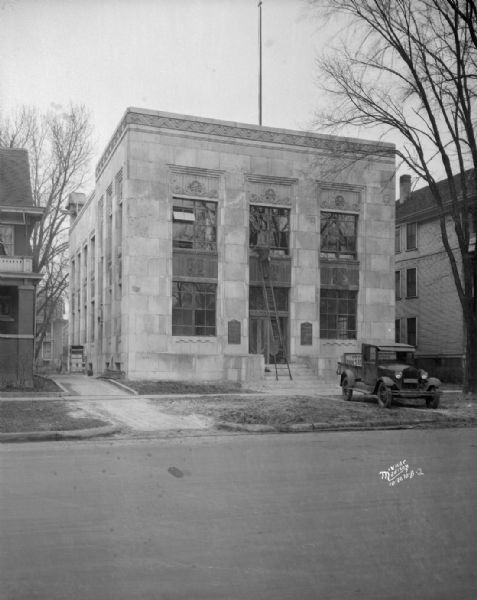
(271, 517)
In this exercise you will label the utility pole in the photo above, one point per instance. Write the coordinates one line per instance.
(260, 62)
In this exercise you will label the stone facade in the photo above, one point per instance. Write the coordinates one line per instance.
(165, 277)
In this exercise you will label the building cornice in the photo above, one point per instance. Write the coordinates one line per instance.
(213, 128)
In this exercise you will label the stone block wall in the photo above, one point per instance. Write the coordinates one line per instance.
(163, 156)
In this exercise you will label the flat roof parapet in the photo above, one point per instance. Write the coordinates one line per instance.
(241, 131)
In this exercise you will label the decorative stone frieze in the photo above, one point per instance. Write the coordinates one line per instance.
(269, 190)
(195, 125)
(194, 182)
(339, 197)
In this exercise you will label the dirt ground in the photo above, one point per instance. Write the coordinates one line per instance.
(61, 415)
(43, 415)
(280, 410)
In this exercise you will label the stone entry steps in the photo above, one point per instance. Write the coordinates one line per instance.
(304, 379)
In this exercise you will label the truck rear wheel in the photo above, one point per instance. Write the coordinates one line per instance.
(433, 401)
(346, 389)
(385, 396)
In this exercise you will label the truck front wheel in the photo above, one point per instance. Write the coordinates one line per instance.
(346, 389)
(385, 396)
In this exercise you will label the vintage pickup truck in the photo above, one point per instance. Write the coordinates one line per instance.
(387, 371)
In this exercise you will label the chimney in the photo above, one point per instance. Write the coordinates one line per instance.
(76, 201)
(404, 188)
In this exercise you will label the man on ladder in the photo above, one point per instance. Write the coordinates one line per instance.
(277, 342)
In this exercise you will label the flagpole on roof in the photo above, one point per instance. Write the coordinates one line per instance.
(259, 62)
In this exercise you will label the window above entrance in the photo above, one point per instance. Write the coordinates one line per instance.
(270, 228)
(257, 300)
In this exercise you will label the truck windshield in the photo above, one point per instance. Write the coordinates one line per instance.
(387, 356)
(391, 356)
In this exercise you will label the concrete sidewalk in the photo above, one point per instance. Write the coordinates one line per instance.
(111, 402)
(75, 384)
(140, 414)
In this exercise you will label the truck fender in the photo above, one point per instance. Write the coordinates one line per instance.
(349, 375)
(433, 382)
(388, 382)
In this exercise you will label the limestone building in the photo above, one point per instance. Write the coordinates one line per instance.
(169, 251)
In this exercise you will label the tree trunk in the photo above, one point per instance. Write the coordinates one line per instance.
(470, 375)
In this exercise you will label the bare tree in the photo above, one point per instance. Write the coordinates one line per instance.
(59, 149)
(410, 69)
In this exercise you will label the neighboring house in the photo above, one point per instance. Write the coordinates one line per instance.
(428, 310)
(166, 253)
(17, 279)
(52, 356)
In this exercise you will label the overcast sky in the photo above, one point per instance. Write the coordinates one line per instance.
(198, 57)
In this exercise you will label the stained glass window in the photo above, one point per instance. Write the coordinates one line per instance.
(270, 228)
(194, 224)
(338, 234)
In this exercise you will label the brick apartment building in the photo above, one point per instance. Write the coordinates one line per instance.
(428, 310)
(167, 254)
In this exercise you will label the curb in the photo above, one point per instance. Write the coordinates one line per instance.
(70, 434)
(123, 387)
(36, 396)
(347, 426)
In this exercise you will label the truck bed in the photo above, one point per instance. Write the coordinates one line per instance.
(351, 360)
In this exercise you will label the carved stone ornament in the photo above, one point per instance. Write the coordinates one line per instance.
(270, 194)
(335, 145)
(334, 199)
(199, 186)
(340, 201)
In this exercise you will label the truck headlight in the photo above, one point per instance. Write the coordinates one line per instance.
(398, 375)
(424, 375)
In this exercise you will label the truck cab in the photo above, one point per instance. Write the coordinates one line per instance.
(387, 371)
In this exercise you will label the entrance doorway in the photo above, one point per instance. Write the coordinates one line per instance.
(262, 340)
